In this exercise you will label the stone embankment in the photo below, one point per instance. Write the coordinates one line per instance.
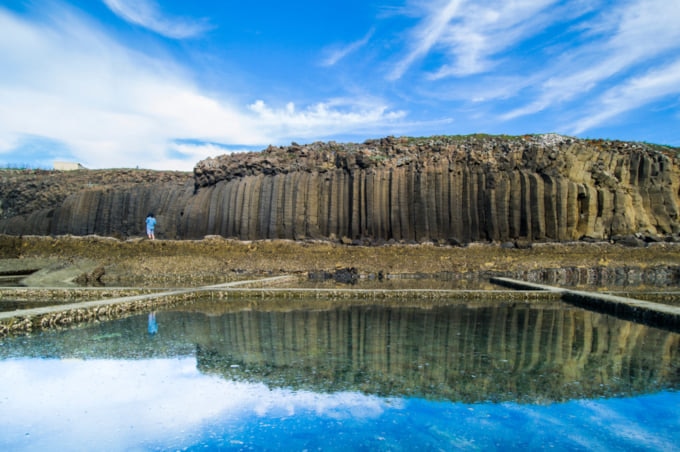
(50, 316)
(154, 267)
(135, 301)
(59, 316)
(445, 189)
(654, 314)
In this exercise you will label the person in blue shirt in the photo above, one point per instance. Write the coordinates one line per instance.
(150, 226)
(153, 325)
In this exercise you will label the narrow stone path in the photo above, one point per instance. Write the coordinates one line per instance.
(655, 314)
(25, 320)
(113, 301)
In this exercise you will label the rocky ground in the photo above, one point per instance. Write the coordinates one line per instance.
(94, 260)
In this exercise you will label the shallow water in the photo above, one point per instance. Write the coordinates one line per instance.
(318, 375)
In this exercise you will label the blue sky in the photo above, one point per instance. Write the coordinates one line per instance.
(164, 84)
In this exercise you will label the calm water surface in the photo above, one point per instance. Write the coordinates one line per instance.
(310, 375)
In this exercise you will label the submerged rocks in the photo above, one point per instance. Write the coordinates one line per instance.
(93, 278)
(341, 275)
(601, 276)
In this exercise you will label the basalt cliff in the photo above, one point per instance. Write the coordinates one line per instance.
(447, 189)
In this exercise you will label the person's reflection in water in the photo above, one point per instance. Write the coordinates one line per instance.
(153, 326)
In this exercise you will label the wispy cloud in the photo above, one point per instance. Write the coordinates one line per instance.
(338, 54)
(469, 33)
(428, 34)
(70, 88)
(627, 39)
(617, 55)
(634, 93)
(147, 14)
(486, 29)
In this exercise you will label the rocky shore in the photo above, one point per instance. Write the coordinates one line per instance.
(63, 269)
(94, 260)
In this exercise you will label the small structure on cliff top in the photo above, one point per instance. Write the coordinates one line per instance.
(67, 166)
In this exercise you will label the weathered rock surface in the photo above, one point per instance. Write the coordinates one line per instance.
(25, 191)
(449, 189)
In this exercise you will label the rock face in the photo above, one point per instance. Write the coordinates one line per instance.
(26, 191)
(445, 188)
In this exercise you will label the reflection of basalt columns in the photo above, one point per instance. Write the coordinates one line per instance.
(518, 353)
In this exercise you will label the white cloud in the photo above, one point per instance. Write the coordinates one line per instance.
(623, 40)
(486, 29)
(112, 106)
(470, 33)
(613, 53)
(634, 93)
(339, 53)
(427, 34)
(147, 14)
(323, 118)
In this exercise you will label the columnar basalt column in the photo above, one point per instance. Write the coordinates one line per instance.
(462, 189)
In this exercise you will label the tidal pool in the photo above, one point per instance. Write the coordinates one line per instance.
(344, 375)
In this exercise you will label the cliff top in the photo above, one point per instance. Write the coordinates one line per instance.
(499, 151)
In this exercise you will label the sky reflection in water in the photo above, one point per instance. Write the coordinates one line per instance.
(83, 401)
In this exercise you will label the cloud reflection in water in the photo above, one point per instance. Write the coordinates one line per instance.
(168, 403)
(115, 403)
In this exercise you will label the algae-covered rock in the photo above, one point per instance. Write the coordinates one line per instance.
(62, 274)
